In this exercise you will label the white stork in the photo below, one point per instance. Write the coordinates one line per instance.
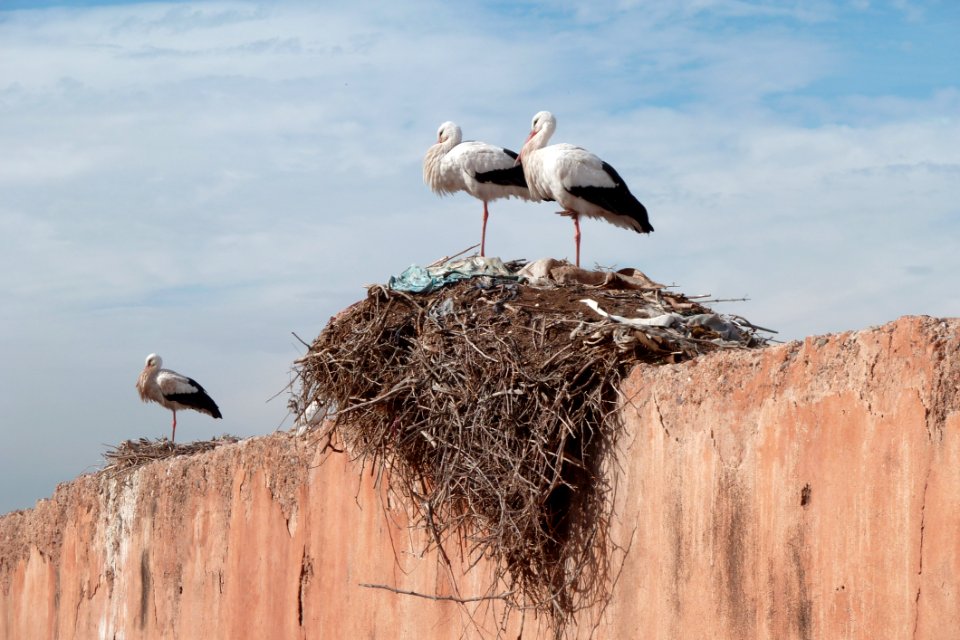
(173, 391)
(581, 182)
(485, 171)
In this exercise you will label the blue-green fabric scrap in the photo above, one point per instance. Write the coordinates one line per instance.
(417, 279)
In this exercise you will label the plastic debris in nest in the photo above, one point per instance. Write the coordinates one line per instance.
(490, 403)
(725, 330)
(668, 318)
(417, 279)
(661, 320)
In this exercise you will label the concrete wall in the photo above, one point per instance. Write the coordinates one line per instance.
(810, 490)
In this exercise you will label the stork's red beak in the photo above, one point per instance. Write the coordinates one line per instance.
(523, 148)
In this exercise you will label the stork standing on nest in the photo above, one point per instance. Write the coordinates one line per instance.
(485, 171)
(173, 391)
(581, 182)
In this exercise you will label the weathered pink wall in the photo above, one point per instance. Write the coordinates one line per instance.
(804, 491)
(808, 491)
(255, 540)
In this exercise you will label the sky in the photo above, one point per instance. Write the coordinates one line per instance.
(209, 180)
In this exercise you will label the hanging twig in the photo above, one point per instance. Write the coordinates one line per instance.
(499, 596)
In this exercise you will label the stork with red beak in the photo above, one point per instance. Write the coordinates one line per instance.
(582, 183)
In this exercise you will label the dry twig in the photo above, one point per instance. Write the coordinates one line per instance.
(501, 596)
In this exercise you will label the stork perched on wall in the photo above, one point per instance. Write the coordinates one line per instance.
(581, 182)
(173, 391)
(485, 171)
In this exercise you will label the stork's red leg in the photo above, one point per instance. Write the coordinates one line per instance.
(483, 234)
(173, 436)
(576, 234)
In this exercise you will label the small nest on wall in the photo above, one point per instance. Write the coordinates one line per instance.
(492, 406)
(131, 454)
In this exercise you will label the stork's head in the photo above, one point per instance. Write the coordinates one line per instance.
(153, 362)
(541, 120)
(449, 133)
(541, 129)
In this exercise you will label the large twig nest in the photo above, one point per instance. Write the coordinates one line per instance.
(492, 402)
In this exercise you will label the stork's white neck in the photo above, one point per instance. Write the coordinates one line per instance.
(448, 137)
(544, 124)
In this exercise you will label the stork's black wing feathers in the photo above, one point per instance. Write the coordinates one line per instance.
(198, 400)
(509, 177)
(616, 199)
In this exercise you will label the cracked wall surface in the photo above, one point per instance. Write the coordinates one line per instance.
(809, 490)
